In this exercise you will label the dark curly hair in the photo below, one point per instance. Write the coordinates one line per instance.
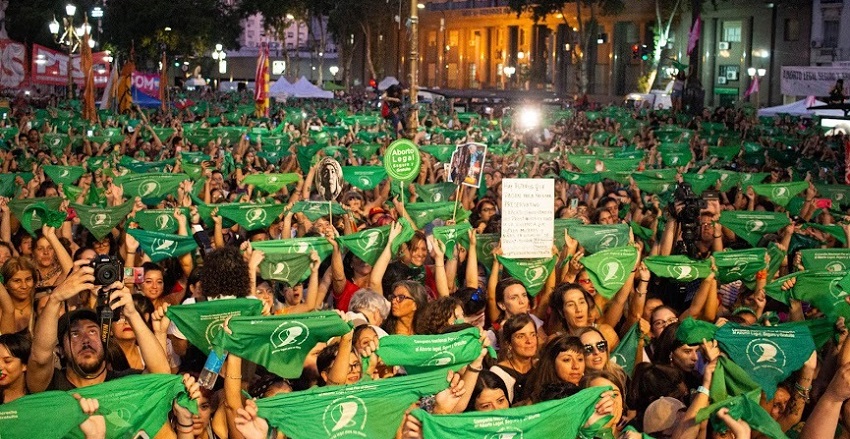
(437, 314)
(225, 274)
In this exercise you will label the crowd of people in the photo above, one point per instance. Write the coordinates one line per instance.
(183, 274)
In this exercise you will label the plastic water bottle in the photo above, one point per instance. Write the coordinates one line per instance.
(212, 367)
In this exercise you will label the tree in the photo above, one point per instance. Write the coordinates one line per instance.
(665, 12)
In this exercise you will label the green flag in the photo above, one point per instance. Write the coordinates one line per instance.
(160, 246)
(580, 178)
(678, 267)
(159, 220)
(201, 322)
(424, 213)
(780, 193)
(101, 220)
(828, 259)
(151, 187)
(735, 265)
(288, 260)
(252, 216)
(314, 210)
(597, 237)
(372, 409)
(270, 183)
(364, 177)
(435, 193)
(559, 418)
(29, 221)
(751, 226)
(531, 272)
(625, 354)
(746, 408)
(448, 235)
(369, 243)
(423, 353)
(63, 174)
(767, 353)
(280, 343)
(609, 269)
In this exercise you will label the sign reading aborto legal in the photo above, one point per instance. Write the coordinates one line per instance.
(402, 160)
(528, 217)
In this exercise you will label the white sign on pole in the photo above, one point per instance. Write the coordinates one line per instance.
(528, 217)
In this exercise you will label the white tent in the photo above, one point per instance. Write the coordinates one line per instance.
(280, 88)
(387, 82)
(799, 108)
(305, 89)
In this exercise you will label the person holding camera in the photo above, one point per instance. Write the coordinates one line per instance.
(78, 333)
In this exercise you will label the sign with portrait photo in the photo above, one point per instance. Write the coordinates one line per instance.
(467, 164)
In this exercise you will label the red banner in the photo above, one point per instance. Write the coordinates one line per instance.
(13, 68)
(51, 67)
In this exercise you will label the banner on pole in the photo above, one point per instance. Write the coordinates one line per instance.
(147, 83)
(811, 80)
(528, 217)
(51, 67)
(13, 69)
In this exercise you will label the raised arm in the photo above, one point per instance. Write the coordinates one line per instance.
(152, 352)
(380, 267)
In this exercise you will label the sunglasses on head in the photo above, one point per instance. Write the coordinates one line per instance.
(600, 347)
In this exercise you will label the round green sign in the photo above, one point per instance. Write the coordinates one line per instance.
(402, 160)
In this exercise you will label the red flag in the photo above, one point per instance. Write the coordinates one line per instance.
(183, 103)
(753, 88)
(811, 101)
(87, 66)
(693, 36)
(261, 81)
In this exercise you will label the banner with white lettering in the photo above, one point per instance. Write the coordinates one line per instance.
(812, 80)
(147, 83)
(51, 67)
(13, 69)
(528, 217)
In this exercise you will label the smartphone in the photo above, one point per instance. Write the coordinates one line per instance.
(574, 204)
(823, 203)
(202, 238)
(315, 128)
(135, 273)
(89, 133)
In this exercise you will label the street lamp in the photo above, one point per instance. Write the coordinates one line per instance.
(334, 70)
(219, 55)
(69, 39)
(509, 71)
(756, 75)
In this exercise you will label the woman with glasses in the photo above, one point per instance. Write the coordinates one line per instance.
(597, 356)
(407, 302)
(518, 354)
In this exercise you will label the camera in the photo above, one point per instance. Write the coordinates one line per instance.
(688, 218)
(107, 270)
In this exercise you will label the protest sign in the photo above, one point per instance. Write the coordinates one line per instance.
(467, 163)
(528, 217)
(402, 160)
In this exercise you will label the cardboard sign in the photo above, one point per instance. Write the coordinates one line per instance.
(467, 164)
(528, 217)
(402, 160)
(329, 179)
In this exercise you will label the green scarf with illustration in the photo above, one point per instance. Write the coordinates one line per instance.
(364, 177)
(251, 216)
(314, 210)
(270, 183)
(368, 244)
(288, 260)
(152, 188)
(101, 220)
(201, 322)
(424, 213)
(825, 259)
(625, 354)
(424, 353)
(160, 246)
(435, 193)
(609, 269)
(780, 193)
(751, 226)
(450, 235)
(159, 220)
(32, 220)
(678, 267)
(825, 290)
(532, 273)
(742, 265)
(598, 237)
(63, 174)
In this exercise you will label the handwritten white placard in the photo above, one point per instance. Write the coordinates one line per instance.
(528, 217)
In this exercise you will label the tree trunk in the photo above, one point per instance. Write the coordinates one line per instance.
(367, 41)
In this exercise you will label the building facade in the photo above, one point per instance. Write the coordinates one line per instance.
(830, 36)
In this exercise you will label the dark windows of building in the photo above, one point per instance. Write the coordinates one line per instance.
(792, 29)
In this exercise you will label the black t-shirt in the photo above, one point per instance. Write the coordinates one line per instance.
(60, 381)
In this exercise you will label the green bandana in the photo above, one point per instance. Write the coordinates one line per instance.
(752, 178)
(160, 246)
(443, 153)
(595, 237)
(485, 243)
(201, 322)
(825, 290)
(63, 174)
(48, 415)
(314, 210)
(368, 244)
(746, 408)
(270, 183)
(834, 259)
(640, 232)
(152, 188)
(585, 163)
(625, 354)
(560, 418)
(435, 193)
(838, 193)
(32, 221)
(364, 177)
(735, 265)
(676, 159)
(580, 178)
(365, 150)
(205, 212)
(280, 343)
(654, 185)
(101, 220)
(423, 353)
(834, 230)
(621, 165)
(692, 331)
(781, 193)
(449, 235)
(728, 179)
(288, 260)
(767, 353)
(531, 272)
(777, 256)
(371, 409)
(424, 213)
(252, 216)
(729, 380)
(678, 267)
(751, 226)
(609, 269)
(560, 226)
(305, 155)
(701, 182)
(159, 220)
(41, 212)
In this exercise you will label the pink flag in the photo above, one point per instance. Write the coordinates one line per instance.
(753, 88)
(811, 101)
(693, 36)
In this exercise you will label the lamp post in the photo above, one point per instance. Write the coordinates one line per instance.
(219, 55)
(413, 122)
(756, 75)
(509, 71)
(69, 38)
(334, 70)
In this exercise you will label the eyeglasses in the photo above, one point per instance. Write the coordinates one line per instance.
(664, 323)
(601, 346)
(584, 281)
(399, 298)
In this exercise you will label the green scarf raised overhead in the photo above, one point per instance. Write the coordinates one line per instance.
(423, 353)
(828, 259)
(625, 354)
(449, 236)
(838, 193)
(580, 178)
(678, 267)
(746, 408)
(201, 322)
(595, 237)
(364, 177)
(609, 269)
(435, 193)
(531, 272)
(486, 242)
(280, 343)
(643, 233)
(372, 409)
(621, 165)
(751, 226)
(735, 265)
(160, 246)
(369, 243)
(270, 183)
(159, 220)
(314, 210)
(63, 174)
(585, 163)
(101, 220)
(29, 221)
(834, 230)
(424, 213)
(252, 216)
(151, 187)
(562, 225)
(560, 418)
(825, 290)
(692, 331)
(205, 212)
(364, 150)
(288, 260)
(781, 193)
(767, 353)
(654, 185)
(701, 182)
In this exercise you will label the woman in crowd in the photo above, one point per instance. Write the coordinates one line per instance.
(517, 355)
(561, 362)
(14, 355)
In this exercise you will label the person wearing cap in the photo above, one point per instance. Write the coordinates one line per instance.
(662, 416)
(78, 334)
